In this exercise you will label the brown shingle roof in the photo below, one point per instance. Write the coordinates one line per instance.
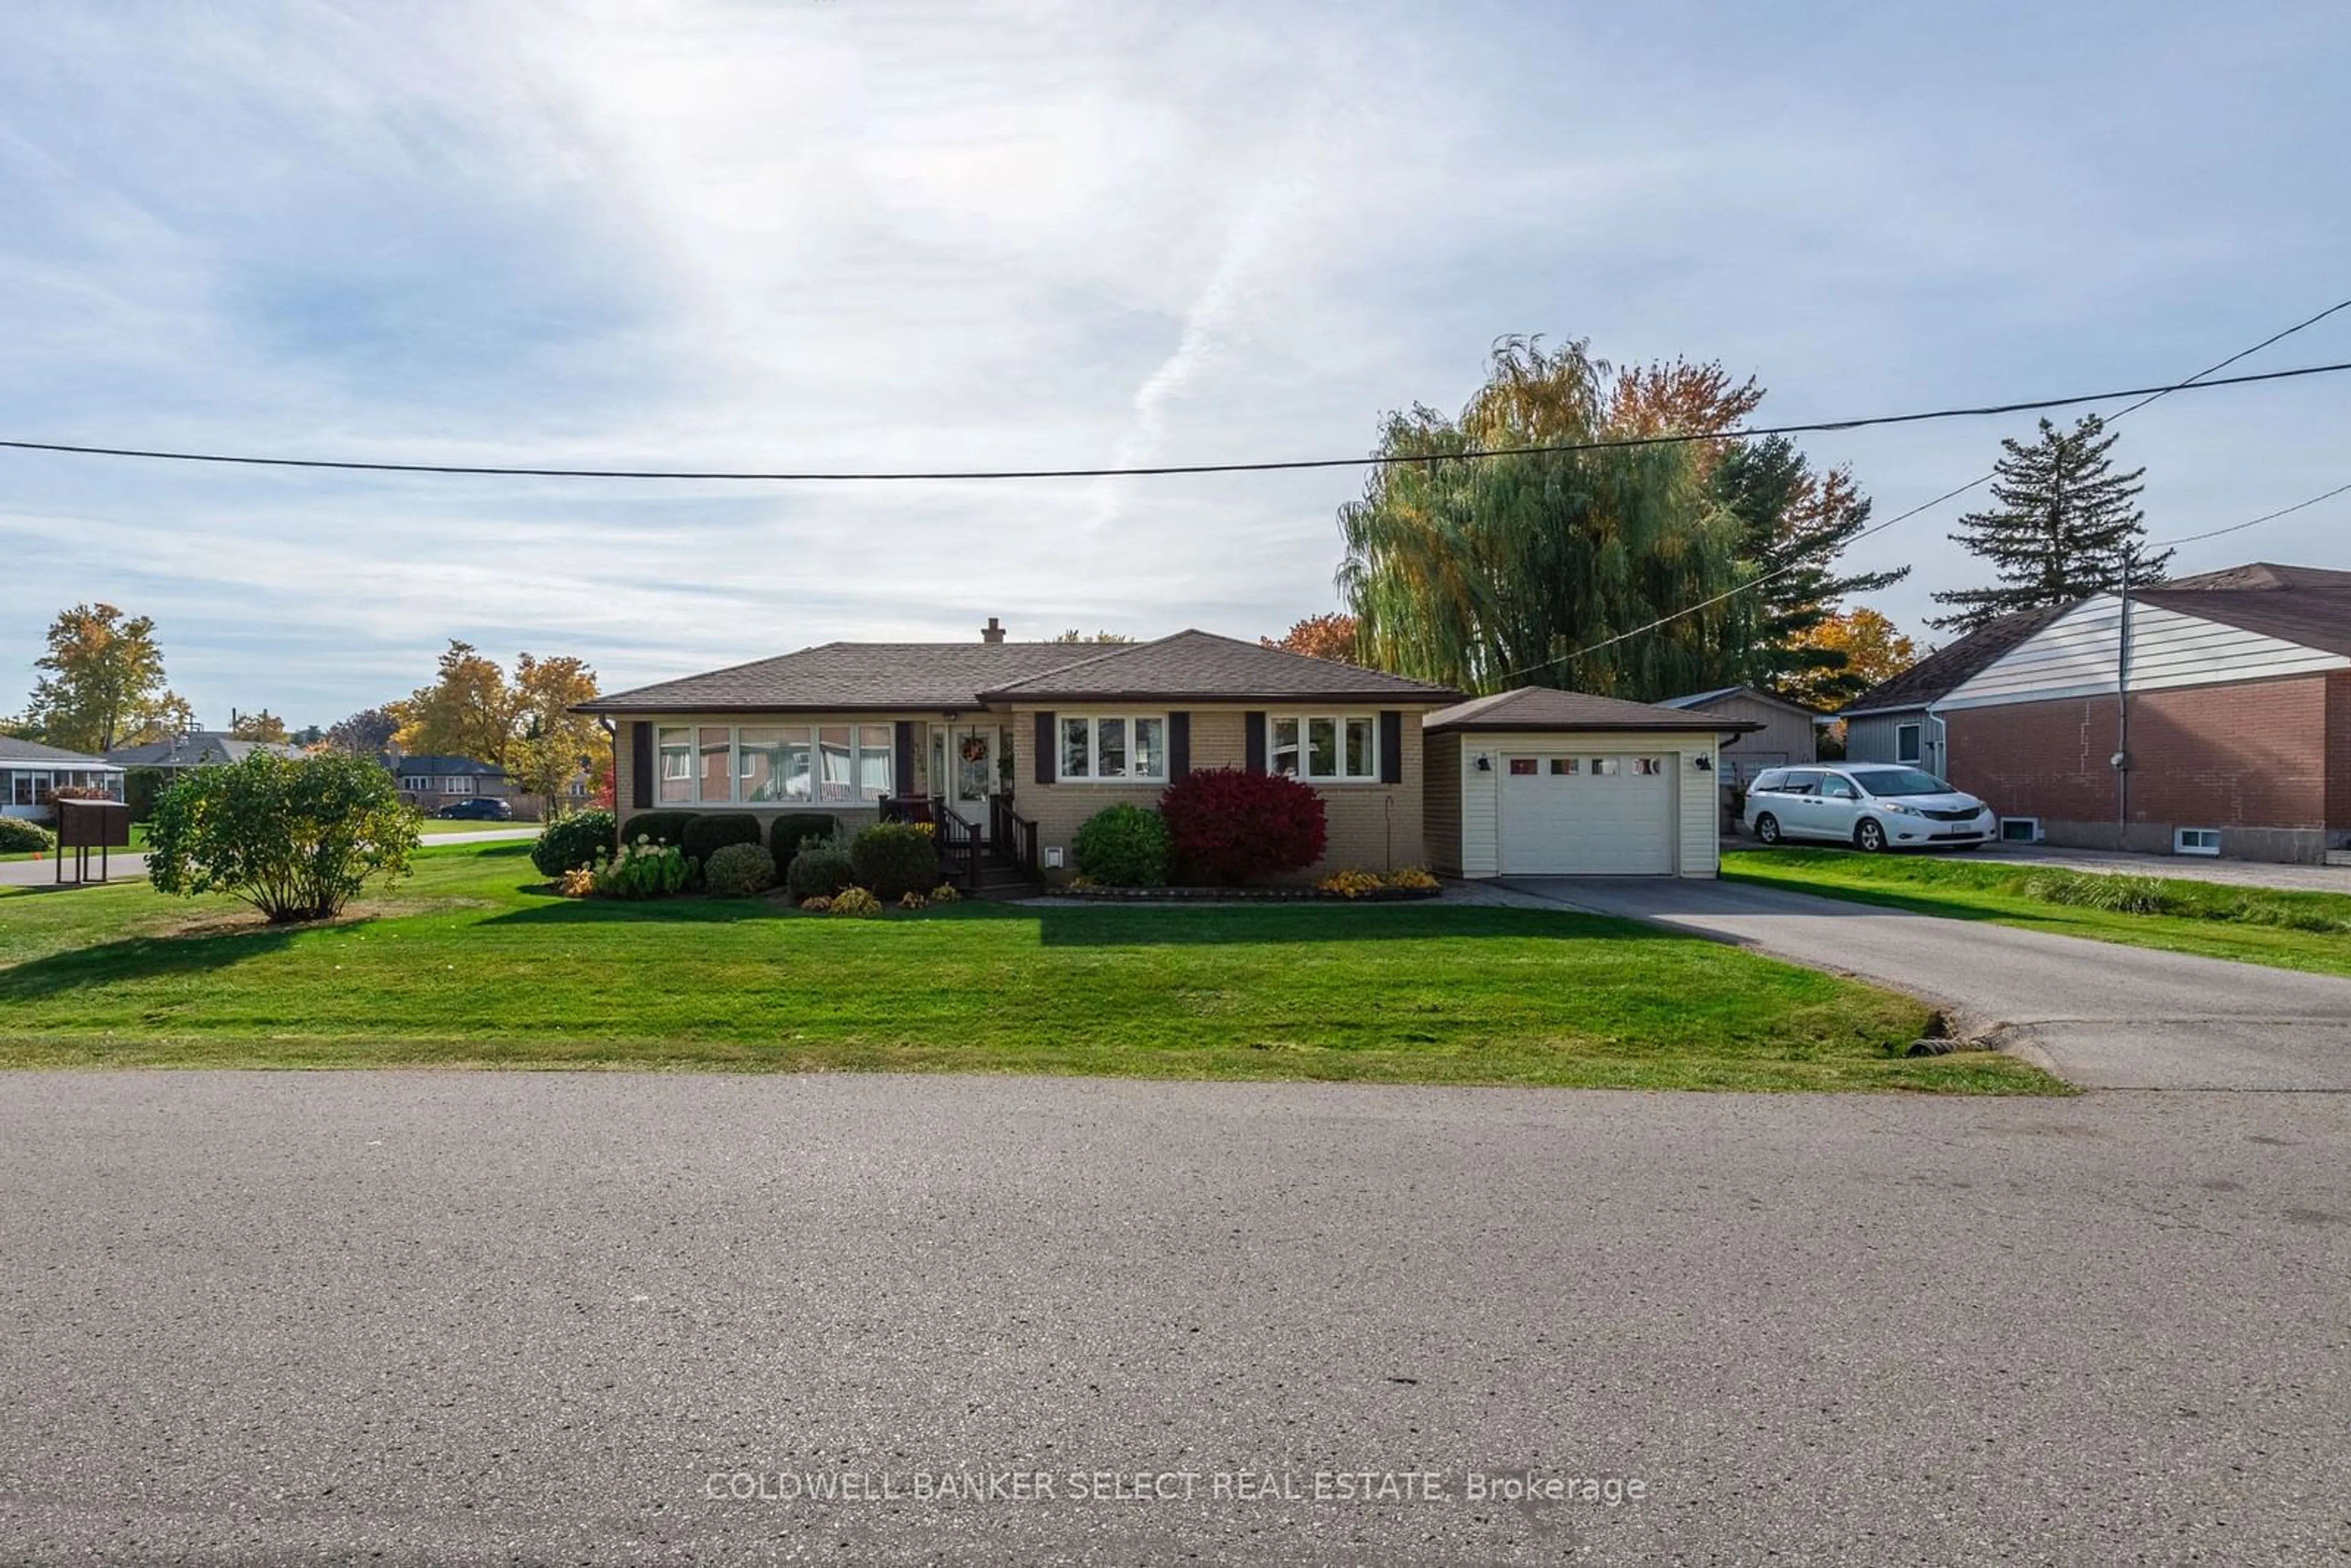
(2263, 574)
(2314, 616)
(1944, 670)
(842, 676)
(1546, 707)
(931, 676)
(1203, 666)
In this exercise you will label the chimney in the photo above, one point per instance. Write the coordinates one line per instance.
(991, 633)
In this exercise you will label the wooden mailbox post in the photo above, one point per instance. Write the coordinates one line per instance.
(87, 825)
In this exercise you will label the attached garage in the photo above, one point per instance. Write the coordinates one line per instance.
(1538, 782)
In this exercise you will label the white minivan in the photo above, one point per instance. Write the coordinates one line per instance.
(1872, 806)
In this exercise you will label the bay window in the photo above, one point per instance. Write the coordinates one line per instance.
(1114, 749)
(1325, 748)
(775, 764)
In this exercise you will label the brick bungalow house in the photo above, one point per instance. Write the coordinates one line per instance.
(1023, 741)
(2220, 724)
(430, 783)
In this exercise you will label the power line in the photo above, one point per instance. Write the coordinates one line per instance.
(2197, 379)
(2253, 523)
(1374, 460)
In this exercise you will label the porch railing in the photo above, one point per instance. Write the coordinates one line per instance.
(1015, 835)
(958, 842)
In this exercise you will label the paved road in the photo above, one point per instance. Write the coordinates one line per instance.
(529, 1317)
(2106, 1016)
(127, 865)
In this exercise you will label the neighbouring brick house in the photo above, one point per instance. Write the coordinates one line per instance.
(2232, 716)
(429, 783)
(1026, 740)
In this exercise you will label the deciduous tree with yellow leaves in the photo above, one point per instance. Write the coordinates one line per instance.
(525, 727)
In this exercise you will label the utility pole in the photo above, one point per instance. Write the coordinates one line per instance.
(2122, 759)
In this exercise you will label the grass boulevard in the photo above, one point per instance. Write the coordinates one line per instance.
(470, 964)
(2287, 930)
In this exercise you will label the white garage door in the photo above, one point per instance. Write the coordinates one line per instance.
(1587, 814)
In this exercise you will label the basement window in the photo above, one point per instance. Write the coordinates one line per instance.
(2196, 840)
(2019, 830)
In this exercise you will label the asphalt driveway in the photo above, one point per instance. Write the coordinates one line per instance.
(2100, 1014)
(527, 1317)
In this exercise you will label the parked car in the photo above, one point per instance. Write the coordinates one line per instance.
(1871, 806)
(480, 808)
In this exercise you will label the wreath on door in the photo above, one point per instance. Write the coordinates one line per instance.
(975, 748)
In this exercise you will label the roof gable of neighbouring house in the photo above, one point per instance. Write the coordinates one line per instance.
(442, 767)
(1536, 708)
(1946, 669)
(2174, 643)
(34, 752)
(1702, 700)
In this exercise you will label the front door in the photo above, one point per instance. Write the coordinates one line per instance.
(971, 772)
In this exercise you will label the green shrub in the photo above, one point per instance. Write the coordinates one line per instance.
(739, 871)
(573, 842)
(1123, 846)
(793, 828)
(19, 837)
(141, 786)
(295, 839)
(819, 871)
(642, 871)
(893, 860)
(659, 826)
(710, 832)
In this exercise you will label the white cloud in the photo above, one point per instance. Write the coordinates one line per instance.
(867, 235)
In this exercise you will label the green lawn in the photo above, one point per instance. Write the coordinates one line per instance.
(466, 965)
(2252, 925)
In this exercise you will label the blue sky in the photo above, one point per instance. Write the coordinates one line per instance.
(862, 235)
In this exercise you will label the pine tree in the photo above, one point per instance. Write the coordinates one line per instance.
(2065, 525)
(1797, 522)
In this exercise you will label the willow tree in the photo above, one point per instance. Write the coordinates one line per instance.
(1489, 571)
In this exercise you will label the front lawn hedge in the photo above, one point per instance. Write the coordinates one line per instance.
(19, 837)
(710, 832)
(739, 871)
(1123, 846)
(893, 860)
(820, 870)
(793, 828)
(573, 842)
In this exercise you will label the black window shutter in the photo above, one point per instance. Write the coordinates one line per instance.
(641, 766)
(902, 776)
(1253, 743)
(1048, 748)
(1391, 745)
(1179, 745)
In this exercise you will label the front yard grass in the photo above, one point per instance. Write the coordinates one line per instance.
(468, 965)
(2247, 925)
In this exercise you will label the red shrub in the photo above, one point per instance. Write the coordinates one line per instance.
(1228, 826)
